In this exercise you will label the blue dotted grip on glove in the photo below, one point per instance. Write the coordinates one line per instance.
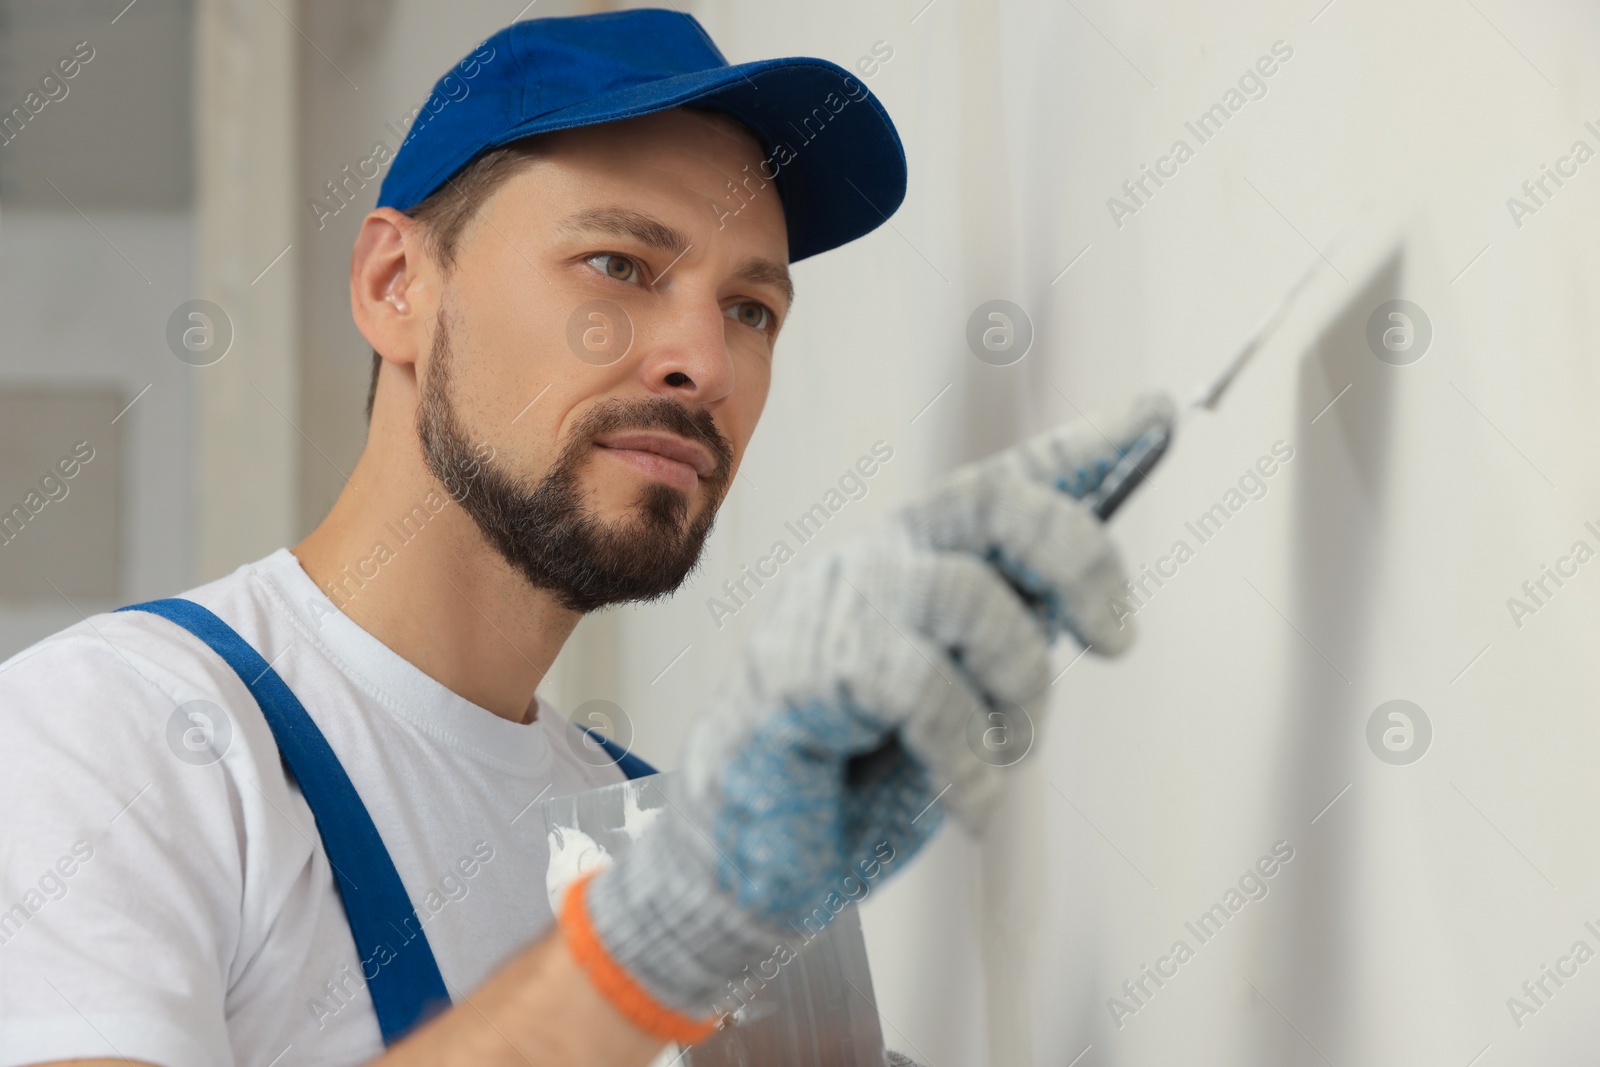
(820, 820)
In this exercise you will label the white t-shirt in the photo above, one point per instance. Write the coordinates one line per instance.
(160, 904)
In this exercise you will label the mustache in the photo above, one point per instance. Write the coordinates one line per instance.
(658, 413)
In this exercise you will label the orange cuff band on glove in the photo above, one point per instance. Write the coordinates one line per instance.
(616, 984)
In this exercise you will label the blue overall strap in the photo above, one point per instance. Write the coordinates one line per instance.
(406, 985)
(631, 765)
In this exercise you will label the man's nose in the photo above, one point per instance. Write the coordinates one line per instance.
(688, 355)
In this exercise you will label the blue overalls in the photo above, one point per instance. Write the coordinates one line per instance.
(407, 988)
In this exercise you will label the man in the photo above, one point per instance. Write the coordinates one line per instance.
(285, 819)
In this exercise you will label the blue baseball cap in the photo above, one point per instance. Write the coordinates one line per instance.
(829, 145)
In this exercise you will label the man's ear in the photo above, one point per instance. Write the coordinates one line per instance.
(392, 286)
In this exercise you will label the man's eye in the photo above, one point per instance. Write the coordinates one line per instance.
(754, 315)
(619, 268)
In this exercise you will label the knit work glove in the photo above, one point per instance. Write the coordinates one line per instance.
(831, 749)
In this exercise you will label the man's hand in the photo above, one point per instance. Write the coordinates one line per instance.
(848, 719)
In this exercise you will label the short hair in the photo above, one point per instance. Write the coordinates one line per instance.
(445, 212)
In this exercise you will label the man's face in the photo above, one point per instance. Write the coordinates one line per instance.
(606, 335)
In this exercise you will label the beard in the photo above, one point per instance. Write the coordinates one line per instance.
(544, 530)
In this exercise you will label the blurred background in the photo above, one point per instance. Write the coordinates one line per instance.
(1444, 153)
